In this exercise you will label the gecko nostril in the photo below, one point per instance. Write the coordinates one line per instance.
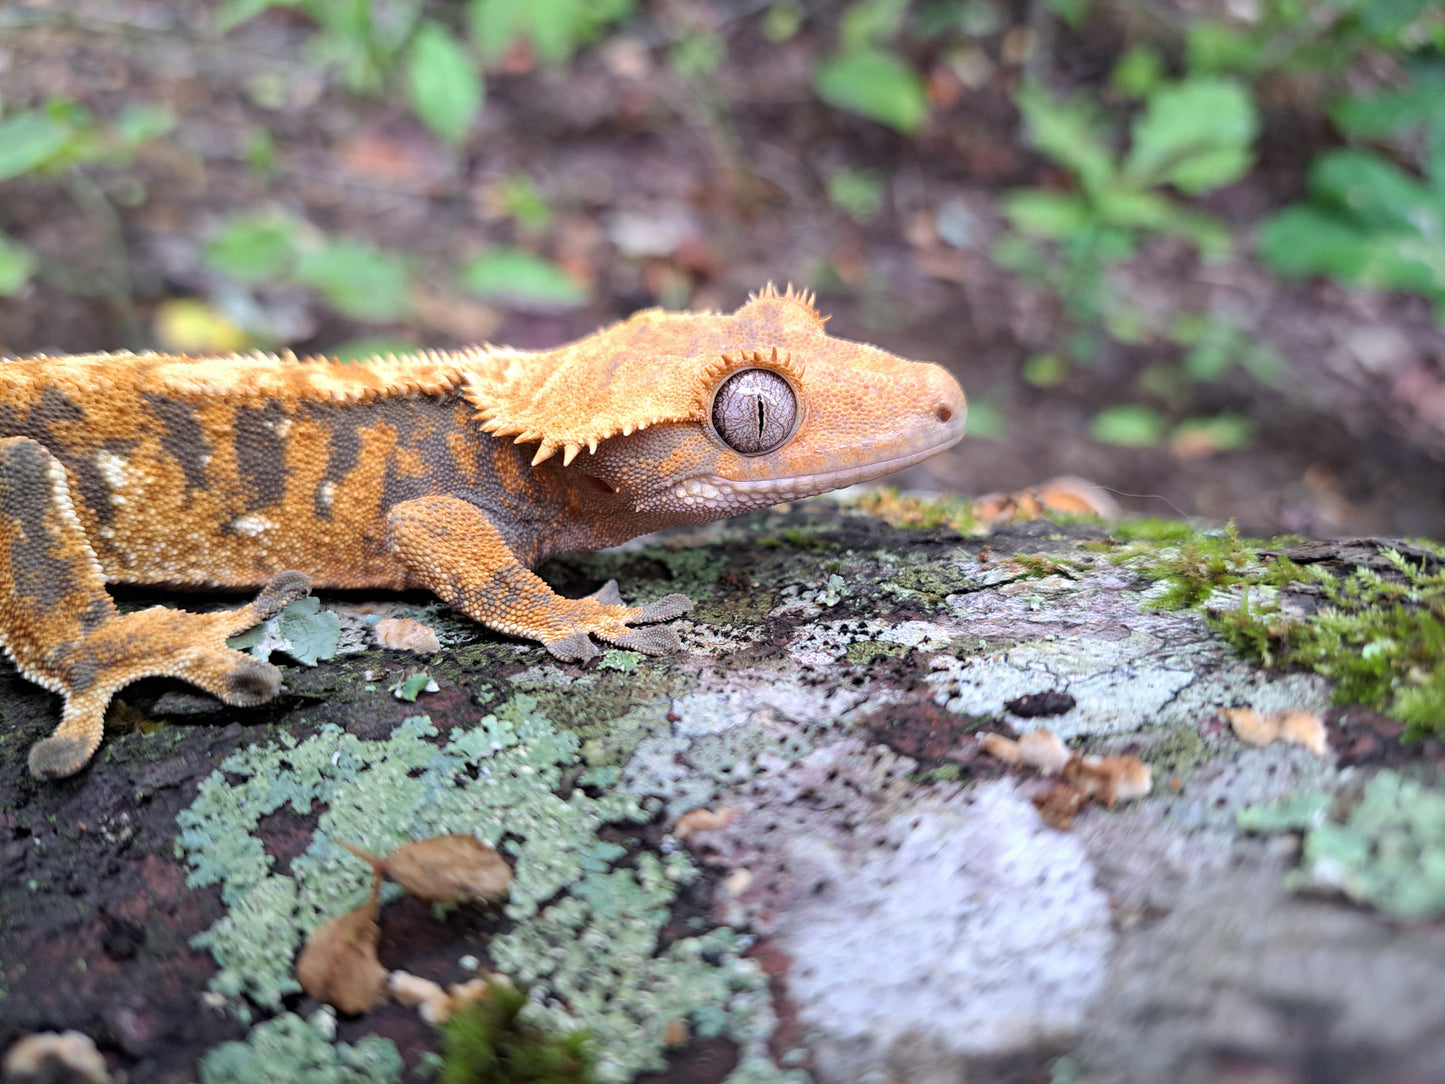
(945, 414)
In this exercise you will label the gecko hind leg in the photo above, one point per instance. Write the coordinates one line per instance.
(59, 625)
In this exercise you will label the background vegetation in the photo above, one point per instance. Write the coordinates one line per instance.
(1188, 249)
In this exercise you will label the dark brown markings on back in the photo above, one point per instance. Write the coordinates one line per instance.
(344, 447)
(88, 483)
(182, 437)
(261, 454)
(54, 406)
(25, 498)
(82, 470)
(423, 425)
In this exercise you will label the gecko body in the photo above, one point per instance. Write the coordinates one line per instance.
(457, 471)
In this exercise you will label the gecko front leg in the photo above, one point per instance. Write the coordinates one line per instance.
(458, 554)
(59, 625)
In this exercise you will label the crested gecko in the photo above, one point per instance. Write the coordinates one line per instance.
(457, 471)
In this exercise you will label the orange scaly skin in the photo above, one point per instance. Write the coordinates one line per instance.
(454, 471)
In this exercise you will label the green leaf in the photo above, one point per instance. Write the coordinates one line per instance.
(311, 634)
(1212, 47)
(16, 265)
(1044, 370)
(29, 140)
(1054, 215)
(496, 24)
(1303, 240)
(879, 85)
(1196, 135)
(986, 422)
(858, 193)
(1073, 12)
(357, 279)
(513, 274)
(1138, 71)
(556, 27)
(359, 349)
(141, 122)
(235, 12)
(1375, 192)
(867, 24)
(413, 685)
(1068, 132)
(253, 250)
(446, 90)
(1130, 424)
(1393, 112)
(1222, 433)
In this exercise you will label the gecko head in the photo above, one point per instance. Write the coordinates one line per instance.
(776, 410)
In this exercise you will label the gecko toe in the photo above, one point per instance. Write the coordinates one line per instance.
(283, 589)
(608, 594)
(576, 647)
(252, 682)
(662, 609)
(657, 640)
(55, 758)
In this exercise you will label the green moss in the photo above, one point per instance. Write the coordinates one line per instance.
(866, 651)
(1380, 638)
(1379, 634)
(795, 538)
(290, 1048)
(586, 914)
(933, 583)
(490, 1042)
(1192, 571)
(1388, 852)
(917, 513)
(1151, 529)
(1174, 752)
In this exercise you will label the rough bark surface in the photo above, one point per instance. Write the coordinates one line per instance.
(875, 894)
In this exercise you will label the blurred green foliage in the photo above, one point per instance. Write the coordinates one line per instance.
(1131, 155)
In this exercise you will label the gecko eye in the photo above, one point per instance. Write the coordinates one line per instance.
(754, 411)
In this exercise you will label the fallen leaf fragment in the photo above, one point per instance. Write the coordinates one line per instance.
(1108, 780)
(1044, 750)
(1296, 725)
(1067, 494)
(339, 964)
(40, 1054)
(443, 869)
(434, 1004)
(1001, 748)
(413, 990)
(701, 820)
(1058, 804)
(1039, 749)
(406, 634)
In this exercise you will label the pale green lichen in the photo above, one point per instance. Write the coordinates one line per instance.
(290, 1048)
(303, 630)
(592, 957)
(622, 661)
(1388, 852)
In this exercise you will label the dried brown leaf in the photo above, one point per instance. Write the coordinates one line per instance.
(1296, 725)
(449, 869)
(406, 634)
(701, 820)
(339, 964)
